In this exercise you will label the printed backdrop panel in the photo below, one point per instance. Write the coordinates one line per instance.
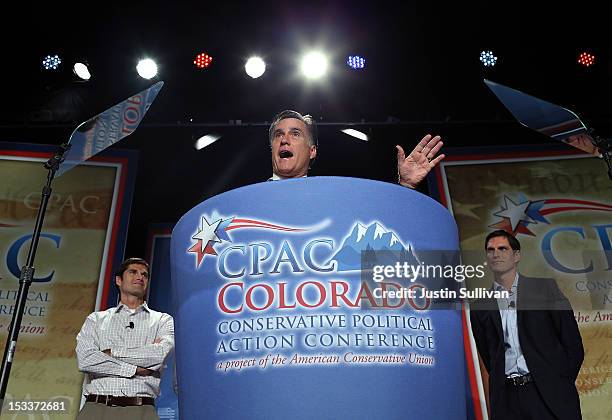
(559, 206)
(82, 238)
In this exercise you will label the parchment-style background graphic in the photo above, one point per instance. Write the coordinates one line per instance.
(475, 187)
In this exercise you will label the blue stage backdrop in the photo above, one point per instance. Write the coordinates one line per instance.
(160, 299)
(274, 321)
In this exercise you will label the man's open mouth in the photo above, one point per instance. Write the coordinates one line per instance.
(285, 154)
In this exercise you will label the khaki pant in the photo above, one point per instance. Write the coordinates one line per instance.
(98, 411)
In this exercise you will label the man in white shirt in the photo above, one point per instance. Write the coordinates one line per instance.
(293, 140)
(122, 350)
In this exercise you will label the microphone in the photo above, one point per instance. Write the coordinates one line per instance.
(131, 325)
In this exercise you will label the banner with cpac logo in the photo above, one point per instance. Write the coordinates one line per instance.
(102, 131)
(558, 204)
(81, 241)
(274, 321)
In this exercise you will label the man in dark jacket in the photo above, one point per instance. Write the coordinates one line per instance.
(529, 342)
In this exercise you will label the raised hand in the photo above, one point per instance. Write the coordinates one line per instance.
(412, 169)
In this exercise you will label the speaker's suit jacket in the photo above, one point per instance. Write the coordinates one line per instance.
(550, 341)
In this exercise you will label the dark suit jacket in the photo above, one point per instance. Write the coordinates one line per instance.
(550, 341)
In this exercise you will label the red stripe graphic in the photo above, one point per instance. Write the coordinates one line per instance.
(470, 365)
(247, 223)
(5, 225)
(567, 208)
(566, 201)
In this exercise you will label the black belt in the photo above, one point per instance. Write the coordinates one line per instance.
(519, 380)
(120, 401)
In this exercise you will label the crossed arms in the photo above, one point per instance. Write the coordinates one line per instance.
(100, 358)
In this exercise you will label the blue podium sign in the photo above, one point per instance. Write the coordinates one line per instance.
(274, 319)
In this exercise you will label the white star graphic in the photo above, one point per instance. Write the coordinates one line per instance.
(207, 232)
(514, 212)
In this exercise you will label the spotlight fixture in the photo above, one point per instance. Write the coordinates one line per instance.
(355, 62)
(255, 67)
(203, 61)
(487, 58)
(51, 62)
(82, 71)
(206, 140)
(314, 65)
(586, 59)
(147, 68)
(356, 133)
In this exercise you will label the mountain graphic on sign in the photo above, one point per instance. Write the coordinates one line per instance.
(374, 237)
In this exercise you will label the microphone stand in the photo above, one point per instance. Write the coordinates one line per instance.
(27, 272)
(605, 148)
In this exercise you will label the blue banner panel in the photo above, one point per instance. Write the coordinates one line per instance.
(102, 131)
(160, 299)
(274, 321)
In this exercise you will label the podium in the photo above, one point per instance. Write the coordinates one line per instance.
(274, 318)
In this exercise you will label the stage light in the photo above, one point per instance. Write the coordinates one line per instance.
(356, 133)
(82, 71)
(487, 58)
(51, 62)
(255, 67)
(147, 69)
(586, 59)
(206, 140)
(314, 65)
(202, 61)
(355, 62)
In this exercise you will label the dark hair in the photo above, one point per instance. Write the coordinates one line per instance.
(514, 243)
(306, 119)
(126, 263)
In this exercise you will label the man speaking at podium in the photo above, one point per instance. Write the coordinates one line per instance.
(293, 139)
